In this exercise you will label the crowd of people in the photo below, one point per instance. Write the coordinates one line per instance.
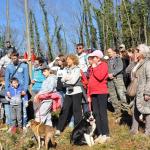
(75, 84)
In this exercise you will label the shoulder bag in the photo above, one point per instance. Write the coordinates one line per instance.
(132, 88)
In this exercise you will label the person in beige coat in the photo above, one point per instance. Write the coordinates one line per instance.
(142, 99)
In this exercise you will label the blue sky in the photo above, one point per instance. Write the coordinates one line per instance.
(66, 10)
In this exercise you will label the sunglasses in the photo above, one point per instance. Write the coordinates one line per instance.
(79, 47)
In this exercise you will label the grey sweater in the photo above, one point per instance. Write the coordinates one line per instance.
(49, 84)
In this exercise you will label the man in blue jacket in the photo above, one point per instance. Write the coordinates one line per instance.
(22, 74)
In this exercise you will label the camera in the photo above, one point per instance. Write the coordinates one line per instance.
(70, 89)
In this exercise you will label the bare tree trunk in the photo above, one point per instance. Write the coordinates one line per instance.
(31, 28)
(104, 34)
(46, 29)
(28, 38)
(86, 24)
(8, 21)
(145, 30)
(121, 22)
(37, 42)
(139, 38)
(129, 22)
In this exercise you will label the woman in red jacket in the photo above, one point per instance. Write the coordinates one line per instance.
(97, 90)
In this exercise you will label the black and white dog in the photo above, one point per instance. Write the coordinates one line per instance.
(83, 132)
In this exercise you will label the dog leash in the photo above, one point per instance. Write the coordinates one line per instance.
(38, 127)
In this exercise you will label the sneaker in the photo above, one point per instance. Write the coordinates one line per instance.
(97, 139)
(57, 133)
(25, 129)
(71, 125)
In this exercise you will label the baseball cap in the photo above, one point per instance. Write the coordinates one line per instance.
(97, 53)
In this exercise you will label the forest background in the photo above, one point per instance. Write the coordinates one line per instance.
(56, 26)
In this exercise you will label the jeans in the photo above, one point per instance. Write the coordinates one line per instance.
(24, 113)
(8, 120)
(16, 115)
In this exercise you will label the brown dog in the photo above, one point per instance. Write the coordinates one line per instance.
(41, 130)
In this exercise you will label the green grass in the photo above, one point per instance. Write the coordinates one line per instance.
(120, 140)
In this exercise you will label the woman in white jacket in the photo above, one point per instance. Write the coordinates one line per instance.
(73, 97)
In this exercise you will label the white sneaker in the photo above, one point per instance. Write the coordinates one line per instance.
(97, 139)
(71, 125)
(102, 139)
(57, 133)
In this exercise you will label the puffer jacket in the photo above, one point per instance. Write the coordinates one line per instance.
(38, 77)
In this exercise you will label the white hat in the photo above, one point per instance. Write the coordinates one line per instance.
(97, 53)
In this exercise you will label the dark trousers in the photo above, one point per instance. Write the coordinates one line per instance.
(72, 103)
(99, 104)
